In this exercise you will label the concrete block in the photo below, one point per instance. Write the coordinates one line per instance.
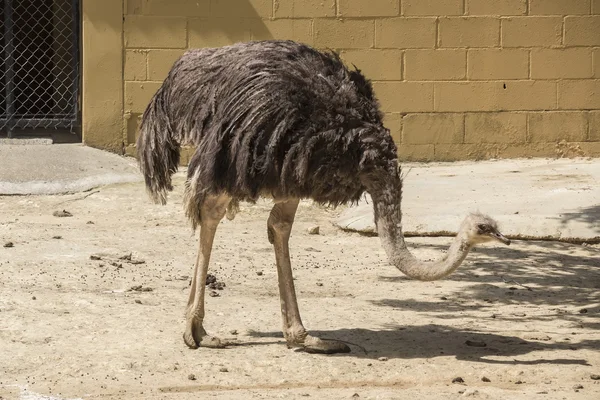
(160, 63)
(371, 8)
(416, 152)
(594, 126)
(432, 128)
(237, 8)
(503, 127)
(469, 32)
(432, 7)
(138, 95)
(343, 34)
(216, 32)
(561, 63)
(579, 94)
(494, 96)
(304, 8)
(596, 7)
(176, 8)
(405, 33)
(299, 30)
(393, 121)
(496, 7)
(596, 62)
(490, 64)
(456, 152)
(531, 31)
(379, 65)
(440, 64)
(132, 124)
(135, 65)
(133, 7)
(404, 97)
(557, 126)
(141, 31)
(559, 7)
(582, 31)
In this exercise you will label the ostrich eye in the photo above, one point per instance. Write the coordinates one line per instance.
(483, 228)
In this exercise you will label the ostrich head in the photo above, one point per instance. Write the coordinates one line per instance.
(481, 228)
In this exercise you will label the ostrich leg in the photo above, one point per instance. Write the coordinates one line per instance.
(213, 209)
(279, 227)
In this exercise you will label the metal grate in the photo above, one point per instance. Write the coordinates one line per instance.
(39, 65)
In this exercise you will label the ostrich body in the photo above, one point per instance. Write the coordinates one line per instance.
(282, 120)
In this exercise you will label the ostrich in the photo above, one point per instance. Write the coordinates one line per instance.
(283, 120)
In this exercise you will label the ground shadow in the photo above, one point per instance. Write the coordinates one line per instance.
(545, 277)
(430, 341)
(588, 215)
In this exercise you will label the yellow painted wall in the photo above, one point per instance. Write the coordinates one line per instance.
(457, 79)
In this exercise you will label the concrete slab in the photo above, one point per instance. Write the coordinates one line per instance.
(60, 168)
(533, 198)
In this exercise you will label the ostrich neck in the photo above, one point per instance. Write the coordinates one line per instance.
(388, 219)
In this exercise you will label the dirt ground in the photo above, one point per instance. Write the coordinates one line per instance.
(518, 322)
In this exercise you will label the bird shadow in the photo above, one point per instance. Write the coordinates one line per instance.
(430, 341)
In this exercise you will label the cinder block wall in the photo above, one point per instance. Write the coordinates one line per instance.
(457, 79)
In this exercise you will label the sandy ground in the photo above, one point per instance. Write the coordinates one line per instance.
(71, 328)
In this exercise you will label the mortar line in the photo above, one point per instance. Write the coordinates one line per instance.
(437, 33)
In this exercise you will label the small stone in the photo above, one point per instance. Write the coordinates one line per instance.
(217, 285)
(9, 244)
(223, 369)
(57, 237)
(313, 230)
(62, 214)
(583, 311)
(355, 396)
(319, 284)
(369, 364)
(383, 359)
(485, 379)
(138, 301)
(210, 278)
(192, 377)
(519, 382)
(471, 393)
(578, 387)
(475, 343)
(33, 298)
(259, 273)
(458, 379)
(90, 222)
(95, 257)
(595, 377)
(443, 298)
(233, 332)
(212, 293)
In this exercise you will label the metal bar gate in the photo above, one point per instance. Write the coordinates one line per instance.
(39, 65)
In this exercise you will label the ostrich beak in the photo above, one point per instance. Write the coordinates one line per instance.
(500, 237)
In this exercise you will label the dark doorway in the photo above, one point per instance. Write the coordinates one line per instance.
(39, 66)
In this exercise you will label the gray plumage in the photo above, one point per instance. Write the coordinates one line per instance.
(274, 118)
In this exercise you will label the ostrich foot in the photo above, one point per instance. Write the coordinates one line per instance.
(312, 344)
(195, 336)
